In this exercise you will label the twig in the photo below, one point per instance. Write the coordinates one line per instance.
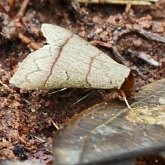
(133, 2)
(128, 7)
(149, 35)
(57, 91)
(118, 56)
(23, 7)
(40, 139)
(100, 43)
(5, 86)
(118, 33)
(145, 57)
(23, 38)
(28, 42)
(10, 29)
(76, 6)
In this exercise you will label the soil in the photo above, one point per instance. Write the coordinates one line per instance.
(28, 118)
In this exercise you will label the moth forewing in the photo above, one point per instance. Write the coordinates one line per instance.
(55, 35)
(68, 61)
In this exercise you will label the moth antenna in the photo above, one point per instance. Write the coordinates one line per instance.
(82, 98)
(57, 91)
(125, 99)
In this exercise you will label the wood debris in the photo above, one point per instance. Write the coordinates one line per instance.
(132, 2)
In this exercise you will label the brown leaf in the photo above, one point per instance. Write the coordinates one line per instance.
(106, 132)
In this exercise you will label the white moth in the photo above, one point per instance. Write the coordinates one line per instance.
(68, 61)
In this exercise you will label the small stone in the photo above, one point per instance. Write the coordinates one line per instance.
(162, 100)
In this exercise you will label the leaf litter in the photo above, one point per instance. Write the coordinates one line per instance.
(110, 133)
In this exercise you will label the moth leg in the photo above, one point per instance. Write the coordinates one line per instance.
(108, 95)
(122, 94)
(59, 90)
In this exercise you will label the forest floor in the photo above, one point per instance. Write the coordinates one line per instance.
(28, 117)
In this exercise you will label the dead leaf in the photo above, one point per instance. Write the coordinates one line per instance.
(103, 133)
(148, 114)
(67, 61)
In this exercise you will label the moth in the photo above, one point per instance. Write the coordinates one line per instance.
(68, 61)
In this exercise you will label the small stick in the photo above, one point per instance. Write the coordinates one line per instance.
(76, 6)
(29, 42)
(128, 7)
(118, 56)
(118, 33)
(149, 35)
(145, 57)
(125, 99)
(22, 10)
(133, 2)
(100, 43)
(139, 30)
(55, 125)
(5, 86)
(13, 31)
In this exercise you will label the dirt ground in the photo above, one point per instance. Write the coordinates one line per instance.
(28, 117)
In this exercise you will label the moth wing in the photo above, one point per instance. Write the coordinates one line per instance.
(55, 34)
(33, 70)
